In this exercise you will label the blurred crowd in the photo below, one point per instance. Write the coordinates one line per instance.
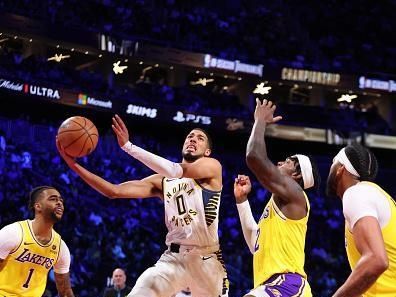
(296, 33)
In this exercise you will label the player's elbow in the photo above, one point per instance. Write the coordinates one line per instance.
(380, 263)
(112, 193)
(257, 164)
(252, 159)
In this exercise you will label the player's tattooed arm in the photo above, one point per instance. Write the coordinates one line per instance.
(63, 285)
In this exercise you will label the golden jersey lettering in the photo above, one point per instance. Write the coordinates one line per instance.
(191, 212)
(180, 189)
(385, 285)
(280, 245)
(25, 270)
(180, 192)
(185, 219)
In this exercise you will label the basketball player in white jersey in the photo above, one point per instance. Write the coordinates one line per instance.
(191, 193)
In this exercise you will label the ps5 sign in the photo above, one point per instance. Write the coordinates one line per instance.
(181, 117)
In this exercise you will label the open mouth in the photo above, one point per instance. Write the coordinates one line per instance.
(59, 211)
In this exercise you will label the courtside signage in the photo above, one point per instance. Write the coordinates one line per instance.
(235, 66)
(84, 99)
(41, 91)
(376, 84)
(30, 89)
(182, 117)
(10, 85)
(309, 76)
(142, 111)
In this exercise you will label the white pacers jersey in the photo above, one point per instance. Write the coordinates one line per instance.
(191, 213)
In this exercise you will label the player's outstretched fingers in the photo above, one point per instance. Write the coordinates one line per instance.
(121, 123)
(116, 124)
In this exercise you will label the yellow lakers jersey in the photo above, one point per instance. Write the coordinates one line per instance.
(280, 244)
(385, 286)
(25, 270)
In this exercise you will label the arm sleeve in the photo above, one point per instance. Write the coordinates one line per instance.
(249, 225)
(365, 201)
(156, 163)
(62, 266)
(10, 239)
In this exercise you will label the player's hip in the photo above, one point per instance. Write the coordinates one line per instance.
(283, 284)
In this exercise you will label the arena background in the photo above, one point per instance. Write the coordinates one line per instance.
(329, 67)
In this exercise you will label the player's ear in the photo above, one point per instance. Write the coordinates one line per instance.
(207, 152)
(37, 206)
(340, 170)
(296, 176)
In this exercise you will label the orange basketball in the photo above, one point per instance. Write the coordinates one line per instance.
(78, 136)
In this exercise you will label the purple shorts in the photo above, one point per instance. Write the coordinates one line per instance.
(284, 284)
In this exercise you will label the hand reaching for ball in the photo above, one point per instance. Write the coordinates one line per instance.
(120, 130)
(68, 159)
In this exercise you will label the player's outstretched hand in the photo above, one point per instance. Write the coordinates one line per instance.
(265, 112)
(120, 130)
(242, 188)
(68, 159)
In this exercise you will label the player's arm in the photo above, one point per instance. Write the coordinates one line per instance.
(156, 163)
(63, 285)
(200, 169)
(148, 187)
(10, 240)
(363, 207)
(61, 270)
(242, 188)
(259, 163)
(373, 261)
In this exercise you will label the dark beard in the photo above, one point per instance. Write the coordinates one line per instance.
(54, 217)
(331, 187)
(189, 157)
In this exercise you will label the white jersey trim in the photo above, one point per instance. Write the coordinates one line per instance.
(365, 200)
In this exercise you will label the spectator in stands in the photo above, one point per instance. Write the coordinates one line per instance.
(119, 289)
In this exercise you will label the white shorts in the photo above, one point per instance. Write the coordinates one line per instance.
(204, 275)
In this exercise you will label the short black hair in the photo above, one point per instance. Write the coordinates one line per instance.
(363, 160)
(315, 172)
(35, 193)
(210, 142)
